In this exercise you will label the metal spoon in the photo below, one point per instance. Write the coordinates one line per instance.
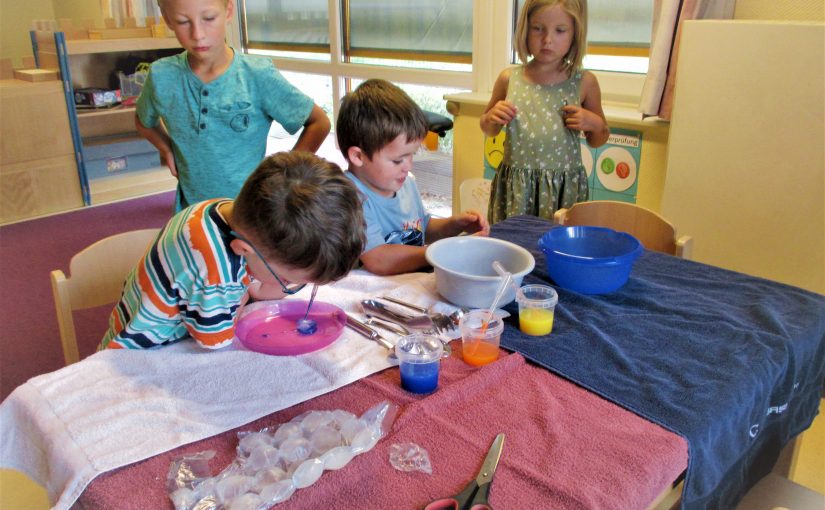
(308, 326)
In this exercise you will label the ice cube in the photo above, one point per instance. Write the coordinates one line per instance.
(261, 458)
(269, 476)
(233, 486)
(252, 441)
(337, 457)
(351, 428)
(182, 498)
(410, 457)
(339, 417)
(308, 473)
(315, 419)
(287, 431)
(277, 492)
(324, 438)
(365, 440)
(295, 449)
(248, 501)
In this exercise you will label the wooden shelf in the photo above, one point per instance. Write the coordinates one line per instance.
(89, 46)
(106, 122)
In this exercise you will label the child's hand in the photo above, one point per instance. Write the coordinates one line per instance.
(473, 222)
(502, 113)
(582, 119)
(169, 159)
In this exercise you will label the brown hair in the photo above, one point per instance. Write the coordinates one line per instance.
(302, 211)
(577, 9)
(374, 114)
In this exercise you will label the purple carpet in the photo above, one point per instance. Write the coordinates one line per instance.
(29, 251)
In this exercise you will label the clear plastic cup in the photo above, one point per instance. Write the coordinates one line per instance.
(536, 309)
(419, 359)
(479, 342)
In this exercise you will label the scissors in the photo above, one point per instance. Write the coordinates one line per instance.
(474, 496)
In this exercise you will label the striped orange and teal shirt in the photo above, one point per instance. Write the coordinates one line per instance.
(189, 284)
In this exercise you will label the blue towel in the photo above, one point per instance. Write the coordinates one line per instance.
(733, 363)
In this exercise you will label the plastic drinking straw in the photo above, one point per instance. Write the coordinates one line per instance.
(308, 326)
(505, 282)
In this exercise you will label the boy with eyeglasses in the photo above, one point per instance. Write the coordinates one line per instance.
(297, 219)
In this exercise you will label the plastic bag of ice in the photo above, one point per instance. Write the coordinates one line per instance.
(272, 464)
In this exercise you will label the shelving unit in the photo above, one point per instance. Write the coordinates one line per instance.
(87, 63)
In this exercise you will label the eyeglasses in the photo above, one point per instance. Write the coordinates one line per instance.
(287, 289)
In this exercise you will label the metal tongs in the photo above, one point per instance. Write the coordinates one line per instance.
(380, 310)
(364, 330)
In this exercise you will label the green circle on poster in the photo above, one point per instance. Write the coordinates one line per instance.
(608, 165)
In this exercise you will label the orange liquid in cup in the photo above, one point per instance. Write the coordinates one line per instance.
(478, 352)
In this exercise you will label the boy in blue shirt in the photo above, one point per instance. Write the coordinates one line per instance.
(217, 105)
(379, 129)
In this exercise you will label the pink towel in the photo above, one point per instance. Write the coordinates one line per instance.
(565, 447)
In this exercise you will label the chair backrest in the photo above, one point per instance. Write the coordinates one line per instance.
(654, 232)
(474, 193)
(96, 276)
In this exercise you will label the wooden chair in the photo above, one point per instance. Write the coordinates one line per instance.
(654, 232)
(96, 278)
(474, 193)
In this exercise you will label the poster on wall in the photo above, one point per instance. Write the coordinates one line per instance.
(612, 169)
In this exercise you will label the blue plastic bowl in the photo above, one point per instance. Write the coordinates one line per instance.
(589, 260)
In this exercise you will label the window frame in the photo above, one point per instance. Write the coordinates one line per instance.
(492, 50)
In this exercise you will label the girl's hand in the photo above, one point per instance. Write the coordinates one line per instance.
(501, 113)
(472, 222)
(582, 119)
(169, 159)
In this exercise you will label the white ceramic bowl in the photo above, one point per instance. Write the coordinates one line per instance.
(464, 272)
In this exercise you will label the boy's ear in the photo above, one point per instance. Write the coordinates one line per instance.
(240, 248)
(230, 9)
(356, 156)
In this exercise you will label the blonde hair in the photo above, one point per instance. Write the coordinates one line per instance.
(577, 9)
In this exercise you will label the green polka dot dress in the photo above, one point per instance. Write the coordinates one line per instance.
(542, 168)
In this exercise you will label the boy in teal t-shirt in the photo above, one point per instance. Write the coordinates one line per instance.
(217, 106)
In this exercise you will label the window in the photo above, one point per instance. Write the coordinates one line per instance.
(383, 33)
(292, 26)
(618, 34)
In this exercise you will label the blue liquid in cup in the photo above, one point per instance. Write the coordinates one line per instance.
(419, 377)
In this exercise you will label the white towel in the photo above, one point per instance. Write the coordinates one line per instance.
(121, 406)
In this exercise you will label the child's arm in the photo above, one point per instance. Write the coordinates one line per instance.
(499, 111)
(470, 221)
(389, 259)
(316, 129)
(158, 137)
(589, 117)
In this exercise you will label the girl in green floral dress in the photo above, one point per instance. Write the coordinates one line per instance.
(543, 105)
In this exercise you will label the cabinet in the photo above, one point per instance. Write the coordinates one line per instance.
(38, 175)
(101, 133)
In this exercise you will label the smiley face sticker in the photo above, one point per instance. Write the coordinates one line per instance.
(494, 150)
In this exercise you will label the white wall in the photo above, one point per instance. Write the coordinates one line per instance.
(746, 154)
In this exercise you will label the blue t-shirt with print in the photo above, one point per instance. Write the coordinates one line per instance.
(219, 129)
(401, 219)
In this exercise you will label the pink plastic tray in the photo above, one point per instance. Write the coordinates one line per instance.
(270, 327)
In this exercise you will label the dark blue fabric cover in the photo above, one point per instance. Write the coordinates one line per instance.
(733, 363)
